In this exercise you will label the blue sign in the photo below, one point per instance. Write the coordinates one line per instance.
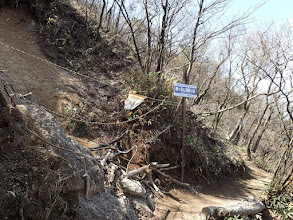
(184, 90)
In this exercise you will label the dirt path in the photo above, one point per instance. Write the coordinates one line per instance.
(187, 205)
(51, 85)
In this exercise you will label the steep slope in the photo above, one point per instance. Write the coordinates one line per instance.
(41, 175)
(48, 83)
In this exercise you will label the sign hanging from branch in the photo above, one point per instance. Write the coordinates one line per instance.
(184, 90)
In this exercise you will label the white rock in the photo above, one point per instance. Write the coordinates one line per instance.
(132, 187)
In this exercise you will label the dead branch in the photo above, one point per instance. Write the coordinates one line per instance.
(112, 172)
(145, 169)
(87, 180)
(137, 171)
(172, 179)
(169, 168)
(160, 165)
(232, 107)
(105, 146)
(105, 158)
(135, 146)
(149, 173)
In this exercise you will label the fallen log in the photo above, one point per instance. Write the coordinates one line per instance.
(145, 168)
(242, 208)
(137, 171)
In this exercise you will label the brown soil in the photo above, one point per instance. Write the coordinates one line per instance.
(185, 204)
(52, 86)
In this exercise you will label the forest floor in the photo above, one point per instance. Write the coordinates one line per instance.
(53, 86)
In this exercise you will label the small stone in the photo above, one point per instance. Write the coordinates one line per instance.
(133, 187)
(142, 207)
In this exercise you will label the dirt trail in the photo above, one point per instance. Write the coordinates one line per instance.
(186, 205)
(53, 87)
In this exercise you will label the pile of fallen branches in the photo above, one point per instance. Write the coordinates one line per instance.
(136, 183)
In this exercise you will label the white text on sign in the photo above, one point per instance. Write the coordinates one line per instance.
(184, 90)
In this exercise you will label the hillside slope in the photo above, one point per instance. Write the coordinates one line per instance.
(65, 91)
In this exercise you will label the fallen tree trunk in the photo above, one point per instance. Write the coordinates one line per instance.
(242, 208)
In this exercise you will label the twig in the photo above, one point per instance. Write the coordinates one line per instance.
(87, 180)
(232, 107)
(133, 162)
(105, 146)
(105, 158)
(141, 145)
(127, 168)
(166, 215)
(55, 200)
(169, 168)
(155, 137)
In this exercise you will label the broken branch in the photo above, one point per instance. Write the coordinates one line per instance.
(172, 179)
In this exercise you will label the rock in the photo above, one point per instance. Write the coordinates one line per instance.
(133, 187)
(141, 206)
(106, 206)
(73, 156)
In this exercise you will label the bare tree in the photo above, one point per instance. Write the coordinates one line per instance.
(277, 50)
(267, 104)
(130, 24)
(102, 14)
(250, 81)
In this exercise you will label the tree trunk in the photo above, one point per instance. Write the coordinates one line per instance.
(235, 134)
(128, 21)
(102, 14)
(255, 146)
(148, 55)
(194, 37)
(162, 40)
(243, 208)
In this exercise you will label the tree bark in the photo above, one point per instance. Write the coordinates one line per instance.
(162, 39)
(148, 55)
(102, 14)
(241, 209)
(255, 146)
